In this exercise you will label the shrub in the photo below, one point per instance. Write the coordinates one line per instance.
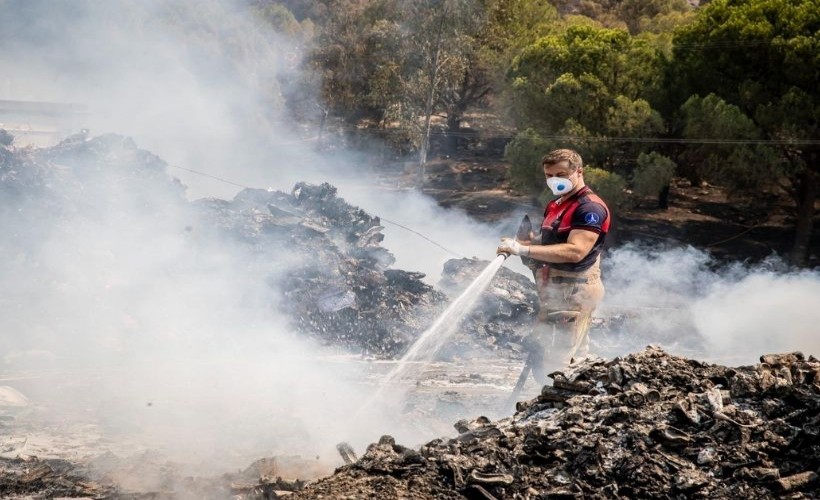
(524, 153)
(652, 175)
(610, 186)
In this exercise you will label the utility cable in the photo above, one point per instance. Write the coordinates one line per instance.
(220, 179)
(422, 236)
(738, 235)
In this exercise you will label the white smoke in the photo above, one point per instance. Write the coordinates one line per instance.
(730, 314)
(760, 313)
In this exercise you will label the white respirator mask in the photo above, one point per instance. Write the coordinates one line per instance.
(559, 185)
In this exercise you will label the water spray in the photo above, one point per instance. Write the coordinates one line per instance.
(425, 348)
(433, 339)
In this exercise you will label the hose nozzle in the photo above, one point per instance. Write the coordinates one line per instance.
(524, 229)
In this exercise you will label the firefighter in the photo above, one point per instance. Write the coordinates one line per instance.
(566, 262)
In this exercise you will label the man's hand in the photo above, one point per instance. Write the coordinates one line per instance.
(509, 246)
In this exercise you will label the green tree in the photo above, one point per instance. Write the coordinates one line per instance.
(357, 56)
(440, 38)
(524, 154)
(605, 61)
(593, 84)
(603, 12)
(634, 15)
(723, 137)
(639, 14)
(512, 25)
(610, 186)
(652, 177)
(403, 63)
(630, 119)
(763, 57)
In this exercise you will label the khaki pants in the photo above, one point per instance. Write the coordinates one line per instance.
(561, 331)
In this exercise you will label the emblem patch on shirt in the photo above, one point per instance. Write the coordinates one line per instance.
(592, 218)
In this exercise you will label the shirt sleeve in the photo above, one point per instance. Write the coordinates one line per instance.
(590, 217)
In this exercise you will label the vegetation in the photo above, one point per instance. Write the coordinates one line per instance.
(609, 186)
(652, 177)
(725, 93)
(524, 153)
(762, 59)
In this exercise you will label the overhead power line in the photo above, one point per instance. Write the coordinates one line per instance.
(220, 179)
(424, 237)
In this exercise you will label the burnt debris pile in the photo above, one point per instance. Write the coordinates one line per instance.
(648, 425)
(334, 277)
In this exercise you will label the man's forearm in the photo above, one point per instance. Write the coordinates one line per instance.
(560, 253)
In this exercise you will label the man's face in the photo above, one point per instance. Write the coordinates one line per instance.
(560, 169)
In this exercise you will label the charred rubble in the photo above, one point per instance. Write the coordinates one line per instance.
(339, 287)
(343, 290)
(648, 425)
(41, 188)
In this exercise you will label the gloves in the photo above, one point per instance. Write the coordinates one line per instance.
(510, 246)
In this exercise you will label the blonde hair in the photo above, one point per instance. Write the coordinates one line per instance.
(570, 156)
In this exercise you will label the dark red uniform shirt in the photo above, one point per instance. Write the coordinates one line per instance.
(583, 210)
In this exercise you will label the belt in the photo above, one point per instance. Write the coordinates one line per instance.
(567, 279)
